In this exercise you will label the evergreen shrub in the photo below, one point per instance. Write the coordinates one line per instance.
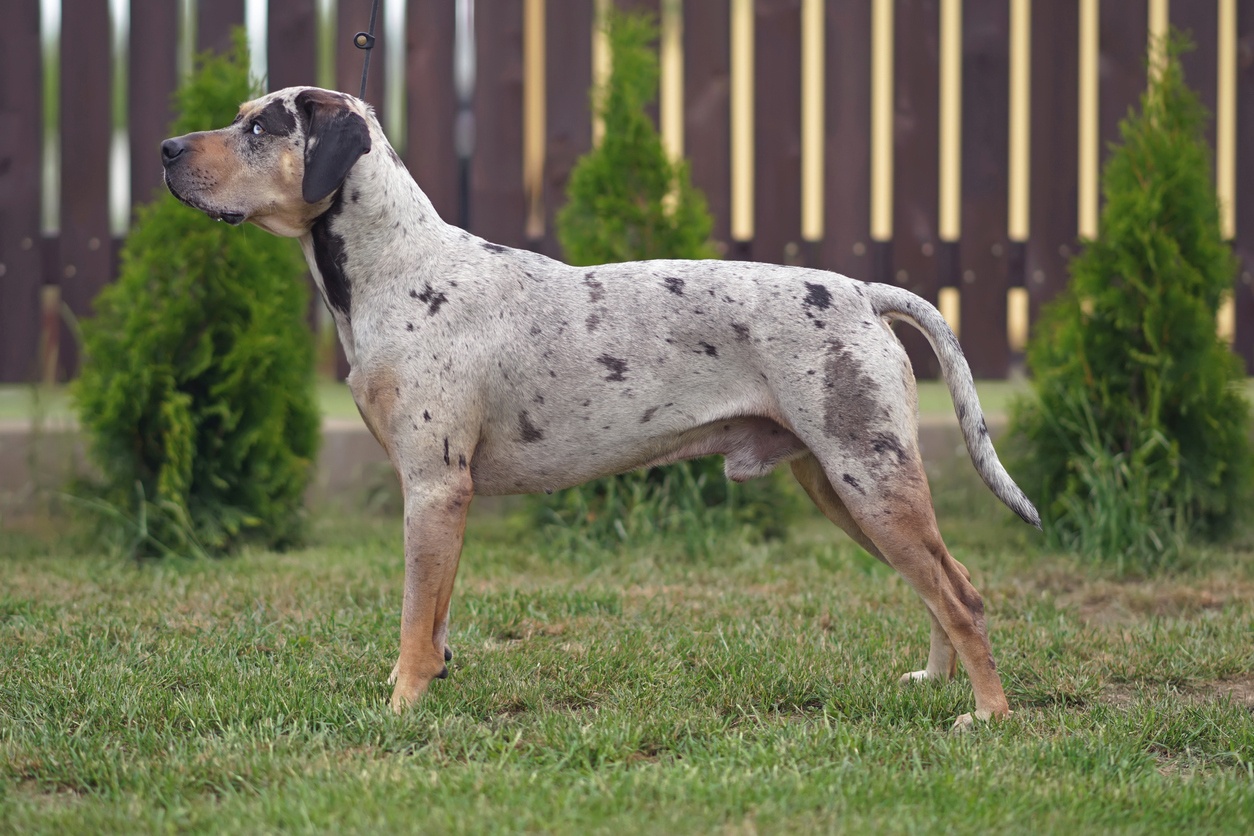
(197, 388)
(1137, 435)
(629, 201)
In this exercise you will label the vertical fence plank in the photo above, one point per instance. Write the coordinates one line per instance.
(291, 43)
(431, 104)
(568, 128)
(846, 244)
(1054, 165)
(707, 106)
(1124, 33)
(85, 246)
(985, 184)
(777, 129)
(215, 20)
(499, 204)
(21, 145)
(351, 17)
(916, 133)
(1244, 290)
(151, 79)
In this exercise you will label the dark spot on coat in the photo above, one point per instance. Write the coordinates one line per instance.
(853, 483)
(432, 299)
(616, 367)
(592, 322)
(529, 432)
(536, 331)
(648, 414)
(817, 296)
(395, 157)
(409, 326)
(446, 458)
(674, 285)
(596, 290)
(711, 351)
(426, 416)
(330, 256)
(355, 196)
(742, 332)
(461, 461)
(493, 248)
(885, 443)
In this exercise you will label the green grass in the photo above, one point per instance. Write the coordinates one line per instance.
(641, 691)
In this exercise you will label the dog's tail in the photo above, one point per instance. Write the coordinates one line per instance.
(897, 303)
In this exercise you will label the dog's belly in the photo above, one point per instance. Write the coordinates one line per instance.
(752, 445)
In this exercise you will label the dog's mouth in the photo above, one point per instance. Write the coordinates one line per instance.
(232, 218)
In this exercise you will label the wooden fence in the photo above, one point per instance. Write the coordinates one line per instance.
(974, 272)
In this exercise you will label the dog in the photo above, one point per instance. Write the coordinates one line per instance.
(485, 369)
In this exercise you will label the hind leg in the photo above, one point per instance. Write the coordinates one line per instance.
(893, 512)
(942, 659)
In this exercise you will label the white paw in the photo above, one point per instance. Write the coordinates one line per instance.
(966, 721)
(915, 676)
(392, 675)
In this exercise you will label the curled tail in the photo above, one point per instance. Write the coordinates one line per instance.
(895, 303)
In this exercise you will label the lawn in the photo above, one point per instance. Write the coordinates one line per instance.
(750, 688)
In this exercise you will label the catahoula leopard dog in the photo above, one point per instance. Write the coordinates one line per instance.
(485, 369)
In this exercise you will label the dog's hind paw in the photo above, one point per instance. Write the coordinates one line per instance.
(919, 676)
(392, 675)
(965, 722)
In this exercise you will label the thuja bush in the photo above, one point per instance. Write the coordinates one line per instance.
(197, 388)
(628, 201)
(1137, 435)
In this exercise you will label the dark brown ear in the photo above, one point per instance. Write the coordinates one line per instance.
(335, 138)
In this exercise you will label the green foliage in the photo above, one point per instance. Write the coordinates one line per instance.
(628, 201)
(197, 388)
(1138, 433)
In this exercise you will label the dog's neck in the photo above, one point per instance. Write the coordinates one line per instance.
(378, 217)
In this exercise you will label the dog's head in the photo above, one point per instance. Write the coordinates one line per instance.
(277, 165)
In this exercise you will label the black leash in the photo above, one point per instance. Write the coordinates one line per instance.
(365, 40)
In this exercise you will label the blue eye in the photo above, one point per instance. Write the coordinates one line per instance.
(257, 129)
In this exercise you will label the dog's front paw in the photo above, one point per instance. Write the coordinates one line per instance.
(965, 722)
(918, 676)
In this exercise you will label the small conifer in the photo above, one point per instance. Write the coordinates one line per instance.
(1138, 433)
(197, 388)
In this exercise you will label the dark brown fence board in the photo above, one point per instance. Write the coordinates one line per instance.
(568, 128)
(85, 243)
(431, 106)
(351, 17)
(707, 106)
(983, 279)
(777, 129)
(1200, 18)
(1244, 291)
(21, 145)
(499, 204)
(1054, 189)
(151, 79)
(215, 20)
(292, 44)
(916, 135)
(1123, 35)
(846, 244)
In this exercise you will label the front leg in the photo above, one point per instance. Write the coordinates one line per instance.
(435, 523)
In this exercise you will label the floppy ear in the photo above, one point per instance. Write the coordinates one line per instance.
(335, 138)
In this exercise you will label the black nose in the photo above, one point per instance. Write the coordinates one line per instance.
(171, 150)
